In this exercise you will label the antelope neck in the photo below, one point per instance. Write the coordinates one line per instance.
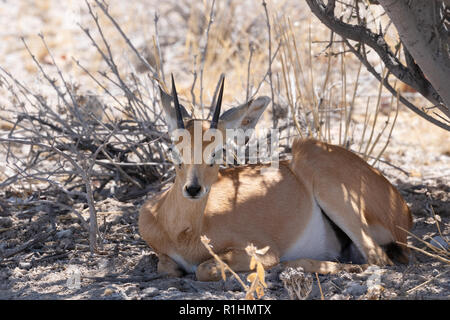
(184, 214)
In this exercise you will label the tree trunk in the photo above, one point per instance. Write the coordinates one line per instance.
(416, 25)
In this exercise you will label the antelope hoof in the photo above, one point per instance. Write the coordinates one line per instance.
(208, 271)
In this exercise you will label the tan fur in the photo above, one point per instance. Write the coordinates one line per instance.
(355, 196)
(273, 209)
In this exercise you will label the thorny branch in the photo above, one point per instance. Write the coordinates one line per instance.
(77, 146)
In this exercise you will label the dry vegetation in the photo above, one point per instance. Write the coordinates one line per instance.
(83, 141)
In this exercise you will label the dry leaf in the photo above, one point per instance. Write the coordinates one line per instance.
(251, 277)
(260, 273)
(263, 250)
(250, 249)
(259, 291)
(252, 263)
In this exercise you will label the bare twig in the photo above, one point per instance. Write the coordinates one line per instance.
(426, 282)
(118, 278)
(274, 117)
(252, 50)
(39, 238)
(320, 287)
(223, 266)
(158, 46)
(203, 55)
(129, 43)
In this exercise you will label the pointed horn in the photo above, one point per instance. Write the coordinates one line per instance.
(180, 123)
(216, 115)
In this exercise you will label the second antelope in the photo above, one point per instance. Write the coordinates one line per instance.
(322, 210)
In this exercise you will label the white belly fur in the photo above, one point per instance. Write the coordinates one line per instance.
(318, 240)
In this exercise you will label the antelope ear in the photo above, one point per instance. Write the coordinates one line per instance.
(245, 116)
(169, 110)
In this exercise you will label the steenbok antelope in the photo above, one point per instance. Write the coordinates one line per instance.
(321, 210)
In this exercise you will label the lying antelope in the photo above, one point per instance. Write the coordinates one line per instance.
(324, 207)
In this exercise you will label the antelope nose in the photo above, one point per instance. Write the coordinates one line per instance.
(193, 190)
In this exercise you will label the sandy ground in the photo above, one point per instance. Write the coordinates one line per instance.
(61, 267)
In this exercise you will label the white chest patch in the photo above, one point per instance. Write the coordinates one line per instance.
(318, 240)
(188, 267)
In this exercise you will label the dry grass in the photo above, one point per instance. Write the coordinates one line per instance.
(256, 279)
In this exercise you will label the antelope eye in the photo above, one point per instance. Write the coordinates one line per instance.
(213, 158)
(175, 157)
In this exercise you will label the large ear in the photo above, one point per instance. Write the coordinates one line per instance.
(245, 116)
(169, 110)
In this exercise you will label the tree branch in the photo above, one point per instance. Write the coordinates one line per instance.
(361, 34)
(416, 27)
(387, 85)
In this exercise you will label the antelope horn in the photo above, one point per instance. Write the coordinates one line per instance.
(180, 123)
(215, 119)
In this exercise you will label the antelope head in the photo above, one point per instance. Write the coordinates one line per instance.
(198, 147)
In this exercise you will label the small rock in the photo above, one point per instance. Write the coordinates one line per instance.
(339, 297)
(63, 234)
(373, 281)
(67, 244)
(355, 289)
(373, 269)
(172, 289)
(25, 265)
(18, 272)
(108, 292)
(150, 292)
